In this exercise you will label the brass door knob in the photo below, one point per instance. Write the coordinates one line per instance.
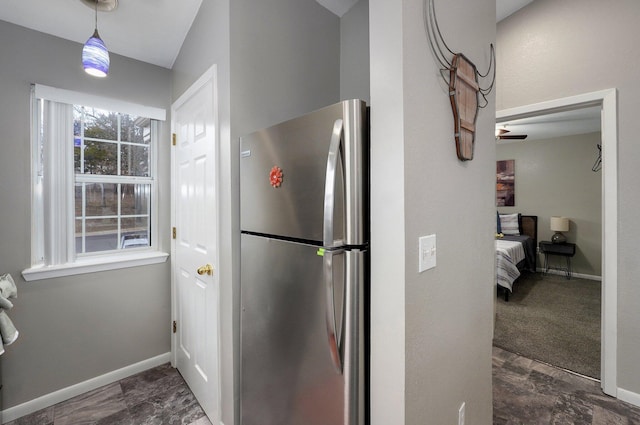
(206, 269)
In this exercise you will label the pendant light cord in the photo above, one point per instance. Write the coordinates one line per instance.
(96, 15)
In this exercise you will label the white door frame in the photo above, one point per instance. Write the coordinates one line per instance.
(209, 75)
(609, 133)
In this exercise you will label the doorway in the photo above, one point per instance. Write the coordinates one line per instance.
(607, 100)
(195, 284)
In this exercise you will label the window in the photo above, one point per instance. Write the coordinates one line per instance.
(94, 200)
(113, 183)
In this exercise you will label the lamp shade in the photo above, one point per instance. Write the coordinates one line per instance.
(95, 56)
(559, 224)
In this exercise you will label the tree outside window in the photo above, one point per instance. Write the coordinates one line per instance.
(112, 190)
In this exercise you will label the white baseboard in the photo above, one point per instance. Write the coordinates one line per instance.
(629, 397)
(63, 394)
(578, 275)
(587, 276)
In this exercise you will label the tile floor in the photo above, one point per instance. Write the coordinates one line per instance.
(525, 392)
(158, 396)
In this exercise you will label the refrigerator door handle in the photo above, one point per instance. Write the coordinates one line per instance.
(332, 330)
(330, 184)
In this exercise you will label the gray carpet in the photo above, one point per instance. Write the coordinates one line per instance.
(554, 320)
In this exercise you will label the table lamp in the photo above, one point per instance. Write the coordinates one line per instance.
(559, 225)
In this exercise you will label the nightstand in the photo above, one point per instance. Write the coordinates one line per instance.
(566, 250)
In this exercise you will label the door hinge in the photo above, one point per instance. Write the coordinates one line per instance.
(173, 139)
(173, 232)
(175, 327)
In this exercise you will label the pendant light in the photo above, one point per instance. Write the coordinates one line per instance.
(95, 56)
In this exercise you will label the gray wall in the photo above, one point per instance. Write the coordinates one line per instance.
(354, 52)
(73, 328)
(387, 214)
(553, 49)
(206, 44)
(285, 62)
(554, 177)
(433, 328)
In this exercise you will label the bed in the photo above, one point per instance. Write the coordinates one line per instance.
(516, 250)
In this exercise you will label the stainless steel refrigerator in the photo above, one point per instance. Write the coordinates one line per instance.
(304, 266)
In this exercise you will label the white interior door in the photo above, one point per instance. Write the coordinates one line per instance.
(195, 284)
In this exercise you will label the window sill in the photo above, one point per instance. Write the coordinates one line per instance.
(95, 264)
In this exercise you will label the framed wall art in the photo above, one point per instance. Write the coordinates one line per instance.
(505, 183)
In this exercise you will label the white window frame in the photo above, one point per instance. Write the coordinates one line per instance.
(53, 246)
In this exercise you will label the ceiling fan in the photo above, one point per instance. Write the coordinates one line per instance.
(501, 134)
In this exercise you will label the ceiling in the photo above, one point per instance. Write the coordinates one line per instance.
(153, 31)
(338, 7)
(506, 8)
(558, 124)
(147, 30)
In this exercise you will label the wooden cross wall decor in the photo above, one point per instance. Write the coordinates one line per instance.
(462, 80)
(463, 94)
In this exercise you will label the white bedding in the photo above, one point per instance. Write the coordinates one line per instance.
(508, 254)
(514, 249)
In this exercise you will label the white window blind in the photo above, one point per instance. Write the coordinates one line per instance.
(57, 195)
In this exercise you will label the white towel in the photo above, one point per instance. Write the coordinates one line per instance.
(5, 304)
(8, 332)
(8, 288)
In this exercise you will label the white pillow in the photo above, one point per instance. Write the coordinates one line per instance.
(509, 224)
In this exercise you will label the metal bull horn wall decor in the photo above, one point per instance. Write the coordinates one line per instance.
(461, 76)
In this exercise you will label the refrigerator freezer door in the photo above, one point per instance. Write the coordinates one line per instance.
(287, 374)
(283, 173)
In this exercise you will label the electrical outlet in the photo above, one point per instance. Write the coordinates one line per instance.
(461, 414)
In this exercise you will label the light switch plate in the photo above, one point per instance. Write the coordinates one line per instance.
(426, 253)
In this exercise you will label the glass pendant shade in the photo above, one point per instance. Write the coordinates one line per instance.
(95, 56)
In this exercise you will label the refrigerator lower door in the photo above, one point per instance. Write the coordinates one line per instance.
(287, 374)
